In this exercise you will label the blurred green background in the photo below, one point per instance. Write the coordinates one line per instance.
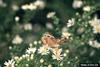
(10, 26)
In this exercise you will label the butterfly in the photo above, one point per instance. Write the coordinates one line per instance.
(51, 41)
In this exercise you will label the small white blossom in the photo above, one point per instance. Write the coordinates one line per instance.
(10, 47)
(32, 56)
(15, 7)
(10, 63)
(40, 4)
(77, 4)
(64, 54)
(41, 60)
(23, 56)
(16, 58)
(64, 29)
(27, 55)
(68, 62)
(94, 43)
(49, 65)
(44, 50)
(17, 18)
(32, 7)
(39, 42)
(67, 51)
(49, 25)
(35, 42)
(70, 22)
(25, 7)
(28, 26)
(27, 65)
(30, 50)
(30, 45)
(50, 14)
(96, 29)
(29, 7)
(66, 34)
(20, 58)
(61, 64)
(57, 54)
(96, 25)
(87, 8)
(17, 40)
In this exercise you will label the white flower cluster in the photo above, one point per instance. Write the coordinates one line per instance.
(17, 40)
(45, 50)
(95, 23)
(33, 6)
(31, 51)
(28, 26)
(77, 4)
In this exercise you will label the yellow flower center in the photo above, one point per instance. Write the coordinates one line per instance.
(9, 65)
(98, 29)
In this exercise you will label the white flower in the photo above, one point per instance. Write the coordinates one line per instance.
(30, 45)
(32, 56)
(70, 22)
(10, 63)
(50, 14)
(41, 60)
(26, 65)
(39, 3)
(17, 40)
(64, 29)
(77, 4)
(25, 7)
(44, 50)
(35, 42)
(49, 65)
(68, 62)
(87, 8)
(96, 25)
(17, 18)
(66, 34)
(28, 26)
(16, 58)
(30, 50)
(49, 25)
(96, 29)
(94, 43)
(15, 7)
(67, 51)
(94, 22)
(57, 54)
(30, 6)
(39, 42)
(64, 54)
